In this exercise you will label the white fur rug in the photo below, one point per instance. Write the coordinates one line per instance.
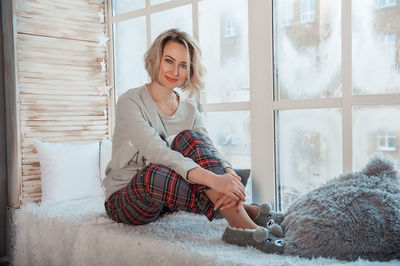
(80, 233)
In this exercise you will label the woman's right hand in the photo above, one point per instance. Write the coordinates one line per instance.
(230, 186)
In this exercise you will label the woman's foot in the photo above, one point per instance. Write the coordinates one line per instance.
(260, 238)
(263, 215)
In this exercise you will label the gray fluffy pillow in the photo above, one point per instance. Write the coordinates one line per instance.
(354, 215)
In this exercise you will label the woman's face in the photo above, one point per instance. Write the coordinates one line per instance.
(173, 68)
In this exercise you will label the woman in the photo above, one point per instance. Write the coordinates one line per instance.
(148, 175)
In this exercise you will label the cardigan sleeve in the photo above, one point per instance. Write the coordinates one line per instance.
(199, 127)
(134, 130)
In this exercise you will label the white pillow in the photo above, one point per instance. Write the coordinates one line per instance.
(69, 171)
(105, 156)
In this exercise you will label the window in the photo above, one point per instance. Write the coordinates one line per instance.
(307, 10)
(229, 28)
(334, 90)
(388, 45)
(285, 12)
(385, 3)
(298, 103)
(386, 143)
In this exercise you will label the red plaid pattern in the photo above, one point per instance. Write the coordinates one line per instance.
(156, 190)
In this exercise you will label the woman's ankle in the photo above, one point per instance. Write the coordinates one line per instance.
(252, 210)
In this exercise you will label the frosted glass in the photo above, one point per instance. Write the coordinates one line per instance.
(124, 6)
(129, 50)
(155, 2)
(180, 17)
(307, 49)
(230, 132)
(375, 129)
(376, 30)
(309, 151)
(223, 37)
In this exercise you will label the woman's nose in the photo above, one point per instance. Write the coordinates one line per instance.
(175, 70)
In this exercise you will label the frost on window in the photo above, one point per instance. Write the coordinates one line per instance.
(309, 151)
(156, 2)
(307, 57)
(375, 47)
(179, 17)
(375, 129)
(129, 49)
(223, 38)
(230, 132)
(124, 6)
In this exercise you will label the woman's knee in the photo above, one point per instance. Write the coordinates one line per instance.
(151, 176)
(184, 137)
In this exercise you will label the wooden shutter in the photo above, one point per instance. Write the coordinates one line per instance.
(61, 86)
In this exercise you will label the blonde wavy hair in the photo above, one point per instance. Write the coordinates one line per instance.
(196, 70)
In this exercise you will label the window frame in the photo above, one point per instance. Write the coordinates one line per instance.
(262, 104)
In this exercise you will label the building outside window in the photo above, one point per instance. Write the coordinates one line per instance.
(388, 44)
(307, 10)
(287, 8)
(230, 29)
(385, 3)
(386, 143)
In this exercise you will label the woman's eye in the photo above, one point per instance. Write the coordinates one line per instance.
(169, 61)
(184, 66)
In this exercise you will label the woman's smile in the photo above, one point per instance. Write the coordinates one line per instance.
(172, 80)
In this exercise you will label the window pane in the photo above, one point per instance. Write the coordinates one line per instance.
(376, 32)
(307, 49)
(124, 6)
(155, 2)
(309, 151)
(223, 34)
(180, 17)
(230, 132)
(129, 50)
(375, 129)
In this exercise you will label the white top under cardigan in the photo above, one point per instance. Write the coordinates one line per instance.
(139, 123)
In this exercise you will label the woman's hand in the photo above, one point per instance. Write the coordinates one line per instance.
(223, 202)
(230, 186)
(231, 171)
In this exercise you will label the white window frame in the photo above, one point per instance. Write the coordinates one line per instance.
(262, 105)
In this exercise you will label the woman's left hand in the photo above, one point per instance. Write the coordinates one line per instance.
(224, 202)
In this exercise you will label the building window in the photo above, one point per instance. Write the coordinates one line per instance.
(286, 9)
(385, 3)
(386, 143)
(307, 10)
(230, 29)
(388, 44)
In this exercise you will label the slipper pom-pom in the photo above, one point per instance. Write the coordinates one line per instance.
(260, 235)
(265, 208)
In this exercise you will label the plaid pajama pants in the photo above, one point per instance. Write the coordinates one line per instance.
(156, 190)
